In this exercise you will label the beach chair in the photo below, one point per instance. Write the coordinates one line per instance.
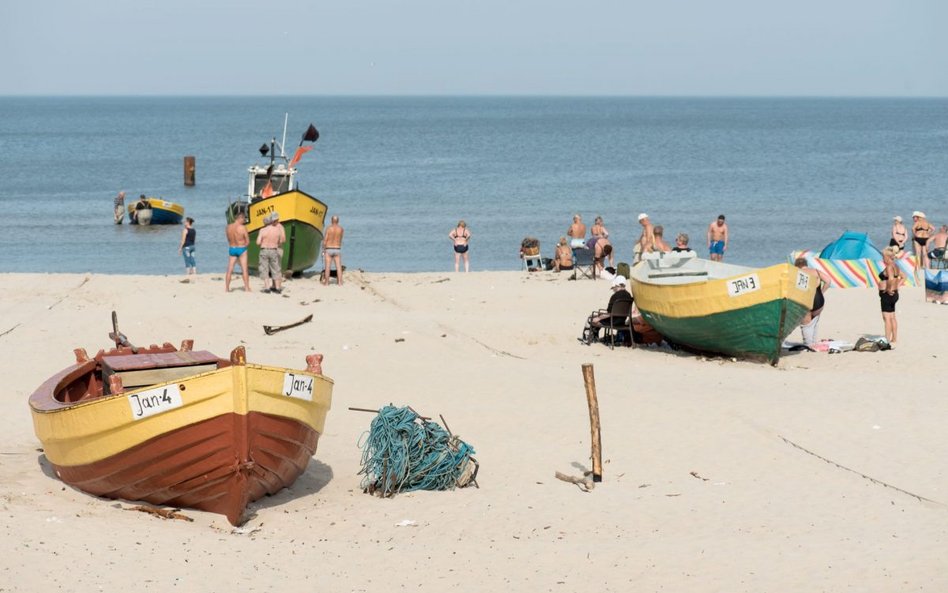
(617, 321)
(584, 264)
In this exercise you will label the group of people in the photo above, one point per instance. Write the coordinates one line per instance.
(270, 239)
(929, 244)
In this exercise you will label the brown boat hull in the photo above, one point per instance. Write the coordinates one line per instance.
(218, 465)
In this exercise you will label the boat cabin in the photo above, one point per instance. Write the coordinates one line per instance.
(281, 179)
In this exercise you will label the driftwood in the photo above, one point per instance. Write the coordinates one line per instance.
(585, 483)
(590, 381)
(163, 513)
(272, 329)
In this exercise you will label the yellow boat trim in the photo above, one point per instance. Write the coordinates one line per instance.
(91, 431)
(711, 297)
(292, 205)
(160, 204)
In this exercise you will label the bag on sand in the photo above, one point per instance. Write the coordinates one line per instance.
(622, 269)
(871, 344)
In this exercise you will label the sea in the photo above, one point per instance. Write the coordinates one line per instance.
(400, 172)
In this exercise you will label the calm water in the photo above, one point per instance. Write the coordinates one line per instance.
(400, 172)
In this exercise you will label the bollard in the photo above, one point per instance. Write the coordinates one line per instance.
(189, 170)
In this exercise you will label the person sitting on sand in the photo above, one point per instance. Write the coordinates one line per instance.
(681, 244)
(563, 258)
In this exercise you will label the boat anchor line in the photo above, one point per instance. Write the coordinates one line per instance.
(63, 298)
(11, 329)
(860, 474)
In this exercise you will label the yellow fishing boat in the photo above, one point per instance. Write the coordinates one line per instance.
(721, 308)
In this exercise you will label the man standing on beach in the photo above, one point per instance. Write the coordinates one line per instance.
(270, 239)
(238, 239)
(577, 232)
(119, 207)
(646, 243)
(332, 250)
(717, 238)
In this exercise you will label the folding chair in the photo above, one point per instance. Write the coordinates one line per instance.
(618, 320)
(584, 264)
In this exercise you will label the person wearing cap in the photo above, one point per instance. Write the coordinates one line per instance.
(717, 238)
(595, 321)
(899, 234)
(646, 242)
(270, 239)
(921, 231)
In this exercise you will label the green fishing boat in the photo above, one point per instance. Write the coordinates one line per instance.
(721, 308)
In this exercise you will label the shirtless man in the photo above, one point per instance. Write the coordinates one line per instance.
(646, 243)
(238, 239)
(332, 250)
(717, 238)
(660, 244)
(577, 232)
(938, 243)
(270, 239)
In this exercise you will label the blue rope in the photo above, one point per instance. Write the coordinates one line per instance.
(403, 453)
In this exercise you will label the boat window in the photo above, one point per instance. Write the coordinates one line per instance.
(280, 183)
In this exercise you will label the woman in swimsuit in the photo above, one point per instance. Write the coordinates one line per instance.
(460, 235)
(899, 234)
(563, 258)
(921, 231)
(811, 320)
(890, 279)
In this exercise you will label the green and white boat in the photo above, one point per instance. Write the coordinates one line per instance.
(721, 308)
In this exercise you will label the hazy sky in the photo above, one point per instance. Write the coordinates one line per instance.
(592, 47)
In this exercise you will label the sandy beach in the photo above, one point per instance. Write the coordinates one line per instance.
(826, 473)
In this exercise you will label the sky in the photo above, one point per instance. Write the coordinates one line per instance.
(485, 47)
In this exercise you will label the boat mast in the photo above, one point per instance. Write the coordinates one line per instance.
(286, 118)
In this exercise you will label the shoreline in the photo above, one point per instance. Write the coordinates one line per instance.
(825, 471)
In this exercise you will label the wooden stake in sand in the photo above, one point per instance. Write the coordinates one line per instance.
(590, 381)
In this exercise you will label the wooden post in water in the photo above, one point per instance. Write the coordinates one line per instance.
(590, 381)
(189, 170)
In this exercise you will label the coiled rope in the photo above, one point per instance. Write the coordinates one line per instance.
(403, 452)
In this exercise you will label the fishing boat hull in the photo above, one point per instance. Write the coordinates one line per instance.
(723, 309)
(303, 218)
(215, 441)
(162, 212)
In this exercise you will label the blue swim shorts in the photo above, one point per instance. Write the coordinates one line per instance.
(237, 251)
(717, 248)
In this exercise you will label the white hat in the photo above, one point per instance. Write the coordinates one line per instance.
(898, 218)
(919, 214)
(618, 281)
(642, 216)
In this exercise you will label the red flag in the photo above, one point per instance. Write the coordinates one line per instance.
(299, 154)
(267, 190)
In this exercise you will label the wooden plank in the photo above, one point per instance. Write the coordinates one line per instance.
(130, 362)
(132, 379)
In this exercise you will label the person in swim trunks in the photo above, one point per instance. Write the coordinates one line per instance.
(890, 279)
(237, 239)
(939, 241)
(577, 232)
(921, 231)
(461, 235)
(332, 251)
(717, 238)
